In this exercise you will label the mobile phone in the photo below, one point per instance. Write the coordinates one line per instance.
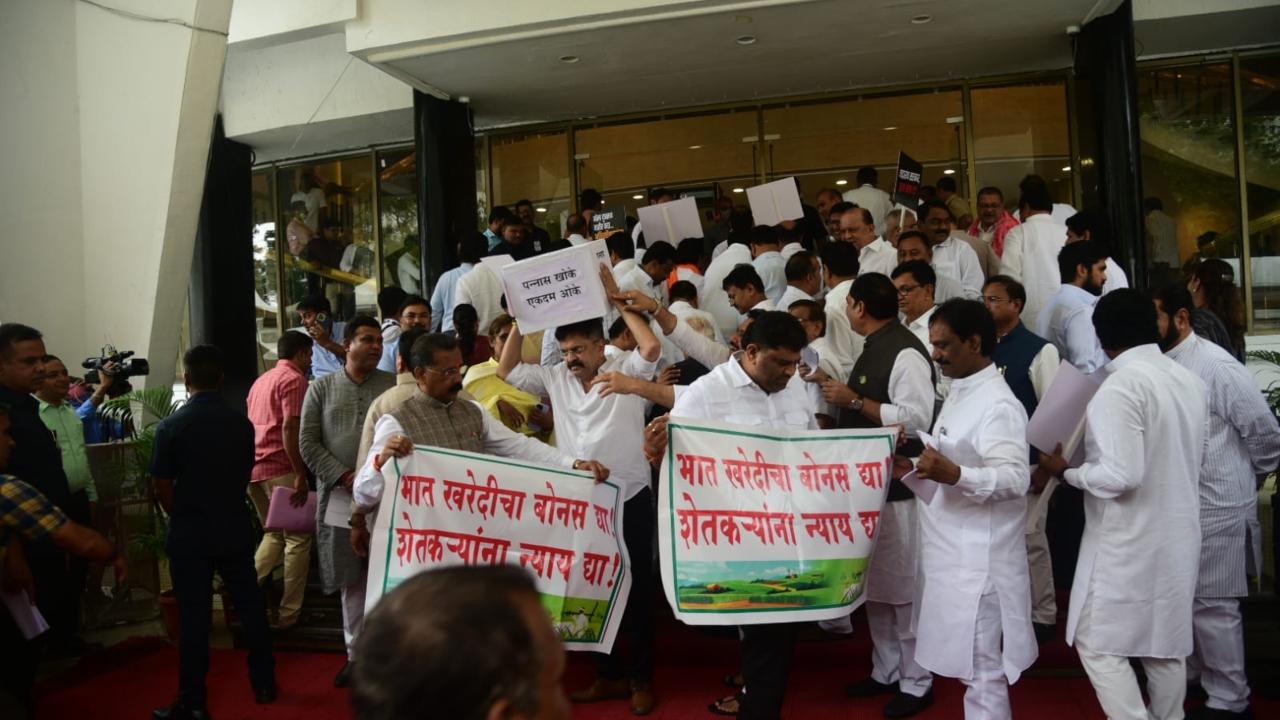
(542, 407)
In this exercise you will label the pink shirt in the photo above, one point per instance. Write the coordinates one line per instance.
(274, 397)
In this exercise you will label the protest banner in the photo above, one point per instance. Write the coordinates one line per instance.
(768, 526)
(906, 182)
(447, 507)
(773, 202)
(672, 221)
(557, 288)
(609, 219)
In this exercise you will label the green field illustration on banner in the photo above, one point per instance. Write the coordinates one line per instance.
(577, 619)
(753, 585)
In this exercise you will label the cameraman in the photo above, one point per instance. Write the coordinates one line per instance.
(327, 356)
(99, 429)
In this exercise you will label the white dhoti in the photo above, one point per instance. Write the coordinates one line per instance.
(353, 612)
(891, 592)
(1219, 653)
(1044, 604)
(1116, 684)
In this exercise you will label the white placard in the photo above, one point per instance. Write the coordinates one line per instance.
(555, 289)
(773, 202)
(671, 222)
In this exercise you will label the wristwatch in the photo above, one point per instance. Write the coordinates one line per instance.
(856, 404)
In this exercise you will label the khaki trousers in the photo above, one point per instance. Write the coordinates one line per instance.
(295, 548)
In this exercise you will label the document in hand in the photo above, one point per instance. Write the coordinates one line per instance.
(672, 222)
(555, 289)
(773, 202)
(282, 515)
(1059, 418)
(924, 489)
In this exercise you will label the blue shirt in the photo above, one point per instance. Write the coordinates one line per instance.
(389, 350)
(442, 299)
(98, 429)
(494, 239)
(324, 362)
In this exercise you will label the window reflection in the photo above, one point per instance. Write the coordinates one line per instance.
(1019, 130)
(1260, 92)
(266, 297)
(398, 210)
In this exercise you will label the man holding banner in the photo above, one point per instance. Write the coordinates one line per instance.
(973, 612)
(610, 427)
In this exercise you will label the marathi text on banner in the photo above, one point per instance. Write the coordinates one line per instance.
(769, 527)
(557, 288)
(445, 507)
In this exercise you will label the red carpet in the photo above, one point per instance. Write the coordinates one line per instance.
(128, 681)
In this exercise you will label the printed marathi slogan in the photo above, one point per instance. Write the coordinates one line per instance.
(768, 527)
(557, 288)
(445, 507)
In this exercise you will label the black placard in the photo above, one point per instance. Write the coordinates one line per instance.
(906, 181)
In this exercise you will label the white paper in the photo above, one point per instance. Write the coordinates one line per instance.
(25, 614)
(924, 489)
(1060, 415)
(773, 202)
(555, 289)
(670, 222)
(338, 512)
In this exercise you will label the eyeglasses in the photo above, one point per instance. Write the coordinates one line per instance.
(908, 289)
(575, 351)
(994, 299)
(450, 373)
(412, 316)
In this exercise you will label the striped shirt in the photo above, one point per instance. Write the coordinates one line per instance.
(274, 398)
(1243, 442)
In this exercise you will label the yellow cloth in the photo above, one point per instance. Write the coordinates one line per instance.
(484, 385)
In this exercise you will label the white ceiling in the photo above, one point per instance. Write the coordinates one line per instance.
(801, 48)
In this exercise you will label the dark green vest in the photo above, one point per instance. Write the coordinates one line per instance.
(427, 421)
(870, 379)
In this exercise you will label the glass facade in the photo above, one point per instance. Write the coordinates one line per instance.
(1260, 103)
(1019, 130)
(334, 229)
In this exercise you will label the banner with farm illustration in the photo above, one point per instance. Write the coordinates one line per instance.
(768, 527)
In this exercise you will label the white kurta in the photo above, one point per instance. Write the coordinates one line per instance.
(772, 269)
(1031, 257)
(845, 343)
(971, 534)
(1244, 441)
(714, 299)
(1145, 434)
(878, 256)
(954, 258)
(876, 201)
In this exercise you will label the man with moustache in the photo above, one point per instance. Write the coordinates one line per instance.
(1067, 319)
(1244, 444)
(610, 428)
(332, 415)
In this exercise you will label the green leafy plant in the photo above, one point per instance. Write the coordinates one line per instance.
(1272, 391)
(156, 404)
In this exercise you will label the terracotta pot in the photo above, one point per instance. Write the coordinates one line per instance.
(169, 614)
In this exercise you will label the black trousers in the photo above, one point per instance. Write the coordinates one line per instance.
(193, 584)
(766, 663)
(638, 518)
(19, 659)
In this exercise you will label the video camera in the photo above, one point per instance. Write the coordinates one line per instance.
(127, 366)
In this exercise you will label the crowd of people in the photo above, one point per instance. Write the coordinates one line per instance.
(942, 318)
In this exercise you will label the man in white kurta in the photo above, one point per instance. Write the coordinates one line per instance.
(1244, 444)
(1135, 578)
(714, 299)
(1031, 256)
(840, 268)
(973, 612)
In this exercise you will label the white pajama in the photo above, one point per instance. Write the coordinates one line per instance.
(893, 649)
(1044, 604)
(986, 695)
(1116, 684)
(353, 612)
(1219, 653)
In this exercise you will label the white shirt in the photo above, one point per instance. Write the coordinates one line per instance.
(954, 258)
(640, 281)
(878, 256)
(623, 269)
(1061, 213)
(972, 533)
(714, 299)
(694, 278)
(409, 274)
(499, 440)
(790, 295)
(442, 298)
(790, 249)
(1067, 322)
(1031, 257)
(846, 344)
(315, 200)
(772, 268)
(1163, 231)
(1243, 442)
(481, 288)
(1145, 433)
(1116, 278)
(765, 304)
(608, 429)
(575, 239)
(911, 393)
(947, 288)
(728, 394)
(920, 328)
(875, 200)
(684, 311)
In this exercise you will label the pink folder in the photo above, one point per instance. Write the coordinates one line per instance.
(282, 515)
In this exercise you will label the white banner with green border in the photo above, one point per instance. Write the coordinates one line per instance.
(446, 507)
(767, 526)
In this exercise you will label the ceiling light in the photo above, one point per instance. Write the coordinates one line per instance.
(694, 147)
(542, 209)
(891, 127)
(569, 59)
(1066, 168)
(948, 171)
(842, 182)
(637, 197)
(921, 19)
(746, 40)
(738, 190)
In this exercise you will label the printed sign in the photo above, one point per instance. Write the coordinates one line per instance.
(446, 507)
(774, 202)
(609, 219)
(557, 288)
(769, 527)
(906, 182)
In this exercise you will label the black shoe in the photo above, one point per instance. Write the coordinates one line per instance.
(1207, 713)
(265, 696)
(869, 687)
(178, 711)
(343, 678)
(904, 705)
(1044, 632)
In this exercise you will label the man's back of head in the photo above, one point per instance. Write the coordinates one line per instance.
(461, 642)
